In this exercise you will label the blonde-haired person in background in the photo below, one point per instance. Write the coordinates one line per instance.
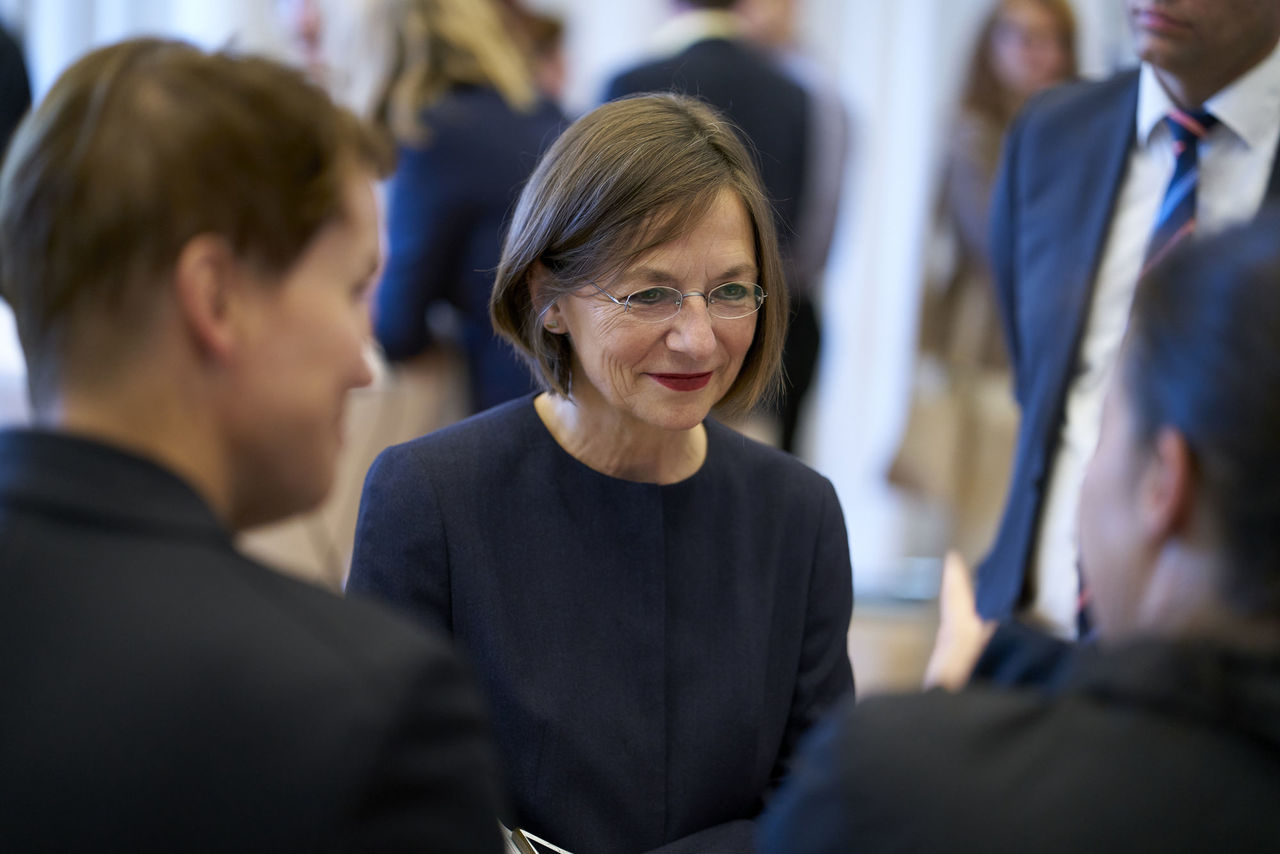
(470, 124)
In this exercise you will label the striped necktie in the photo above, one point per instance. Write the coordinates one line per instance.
(1177, 217)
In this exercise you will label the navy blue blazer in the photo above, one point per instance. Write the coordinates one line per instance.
(746, 85)
(653, 653)
(447, 211)
(161, 692)
(1063, 164)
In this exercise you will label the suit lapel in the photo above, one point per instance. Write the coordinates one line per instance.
(1273, 185)
(1097, 153)
(1101, 172)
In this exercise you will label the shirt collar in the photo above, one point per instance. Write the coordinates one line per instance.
(1249, 106)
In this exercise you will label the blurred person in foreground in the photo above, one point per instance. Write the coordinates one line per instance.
(187, 241)
(1165, 735)
(957, 446)
(470, 124)
(657, 606)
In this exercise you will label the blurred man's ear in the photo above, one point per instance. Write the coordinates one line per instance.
(206, 283)
(1166, 489)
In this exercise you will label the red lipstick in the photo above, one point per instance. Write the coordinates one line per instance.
(683, 382)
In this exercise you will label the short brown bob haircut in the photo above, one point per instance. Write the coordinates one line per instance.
(622, 180)
(138, 148)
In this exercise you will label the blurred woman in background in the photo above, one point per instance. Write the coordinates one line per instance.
(961, 430)
(470, 124)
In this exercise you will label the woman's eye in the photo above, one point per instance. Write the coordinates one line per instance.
(733, 291)
(650, 296)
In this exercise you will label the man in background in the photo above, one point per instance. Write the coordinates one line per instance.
(187, 241)
(710, 56)
(1098, 182)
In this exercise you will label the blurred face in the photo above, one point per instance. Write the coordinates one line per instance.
(303, 21)
(303, 350)
(1112, 551)
(768, 22)
(1027, 48)
(1195, 37)
(665, 375)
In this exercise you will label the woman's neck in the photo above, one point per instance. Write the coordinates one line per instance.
(603, 439)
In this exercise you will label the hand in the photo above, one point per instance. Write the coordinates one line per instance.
(962, 634)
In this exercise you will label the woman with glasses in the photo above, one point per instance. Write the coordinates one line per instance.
(656, 605)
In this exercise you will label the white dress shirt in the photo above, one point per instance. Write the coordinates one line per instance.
(1235, 164)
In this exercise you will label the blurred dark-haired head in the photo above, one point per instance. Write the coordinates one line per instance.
(1203, 357)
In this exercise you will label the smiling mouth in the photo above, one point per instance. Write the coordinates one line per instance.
(683, 382)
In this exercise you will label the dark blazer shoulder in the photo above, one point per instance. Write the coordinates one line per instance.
(714, 62)
(500, 432)
(759, 459)
(1053, 114)
(364, 640)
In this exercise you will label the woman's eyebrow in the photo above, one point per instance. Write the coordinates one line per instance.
(662, 277)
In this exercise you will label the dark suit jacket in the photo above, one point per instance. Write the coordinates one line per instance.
(1063, 165)
(1156, 746)
(163, 693)
(447, 212)
(747, 85)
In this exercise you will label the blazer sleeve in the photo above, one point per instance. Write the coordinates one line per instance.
(432, 783)
(825, 675)
(808, 816)
(400, 554)
(1004, 248)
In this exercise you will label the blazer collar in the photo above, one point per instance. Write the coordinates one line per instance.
(81, 478)
(1191, 678)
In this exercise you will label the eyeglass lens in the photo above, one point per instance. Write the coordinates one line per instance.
(727, 301)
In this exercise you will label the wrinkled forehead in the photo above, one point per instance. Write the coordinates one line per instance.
(651, 233)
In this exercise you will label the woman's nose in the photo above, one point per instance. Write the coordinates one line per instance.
(691, 330)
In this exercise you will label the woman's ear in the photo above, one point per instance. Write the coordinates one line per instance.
(1167, 495)
(550, 315)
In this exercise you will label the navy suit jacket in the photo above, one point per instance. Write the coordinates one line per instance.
(161, 692)
(448, 207)
(1063, 164)
(748, 87)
